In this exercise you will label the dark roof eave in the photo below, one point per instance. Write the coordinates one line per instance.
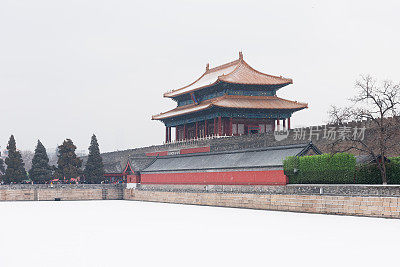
(280, 85)
(211, 107)
(238, 151)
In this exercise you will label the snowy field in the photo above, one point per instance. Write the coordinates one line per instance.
(129, 233)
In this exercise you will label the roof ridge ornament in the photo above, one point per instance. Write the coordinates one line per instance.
(208, 67)
(235, 72)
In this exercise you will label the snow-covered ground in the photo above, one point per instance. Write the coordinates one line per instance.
(129, 233)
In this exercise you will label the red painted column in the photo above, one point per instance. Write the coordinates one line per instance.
(166, 134)
(205, 128)
(215, 126)
(169, 134)
(284, 123)
(176, 133)
(197, 127)
(288, 123)
(219, 126)
(230, 126)
(184, 132)
(278, 124)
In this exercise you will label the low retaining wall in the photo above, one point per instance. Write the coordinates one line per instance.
(60, 192)
(361, 204)
(303, 189)
(361, 200)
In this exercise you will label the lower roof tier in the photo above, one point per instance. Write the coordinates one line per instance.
(237, 102)
(249, 159)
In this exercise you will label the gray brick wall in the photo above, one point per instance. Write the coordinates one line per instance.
(250, 141)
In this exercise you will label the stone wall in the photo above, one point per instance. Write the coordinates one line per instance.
(361, 200)
(60, 192)
(385, 203)
(290, 189)
(257, 141)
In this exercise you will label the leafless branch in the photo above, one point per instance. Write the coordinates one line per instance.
(378, 104)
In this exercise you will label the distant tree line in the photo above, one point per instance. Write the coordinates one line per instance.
(68, 169)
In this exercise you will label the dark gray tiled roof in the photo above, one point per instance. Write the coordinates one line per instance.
(139, 163)
(246, 159)
(113, 167)
(367, 159)
(364, 159)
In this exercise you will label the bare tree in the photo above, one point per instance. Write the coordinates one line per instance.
(377, 103)
(339, 115)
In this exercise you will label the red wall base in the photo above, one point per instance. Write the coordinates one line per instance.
(274, 177)
(195, 150)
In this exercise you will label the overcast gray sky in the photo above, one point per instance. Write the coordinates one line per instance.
(72, 68)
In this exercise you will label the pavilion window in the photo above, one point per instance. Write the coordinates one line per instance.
(191, 132)
(180, 134)
(201, 131)
(240, 128)
(210, 130)
(234, 129)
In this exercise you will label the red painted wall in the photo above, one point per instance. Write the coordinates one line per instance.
(273, 177)
(182, 151)
(195, 150)
(153, 154)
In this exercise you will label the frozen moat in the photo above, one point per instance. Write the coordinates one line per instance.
(130, 233)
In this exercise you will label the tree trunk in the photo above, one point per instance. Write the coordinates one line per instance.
(383, 173)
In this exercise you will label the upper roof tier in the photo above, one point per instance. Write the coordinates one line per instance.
(237, 72)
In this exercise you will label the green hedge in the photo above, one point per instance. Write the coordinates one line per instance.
(339, 168)
(321, 169)
(370, 174)
(291, 166)
(394, 172)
